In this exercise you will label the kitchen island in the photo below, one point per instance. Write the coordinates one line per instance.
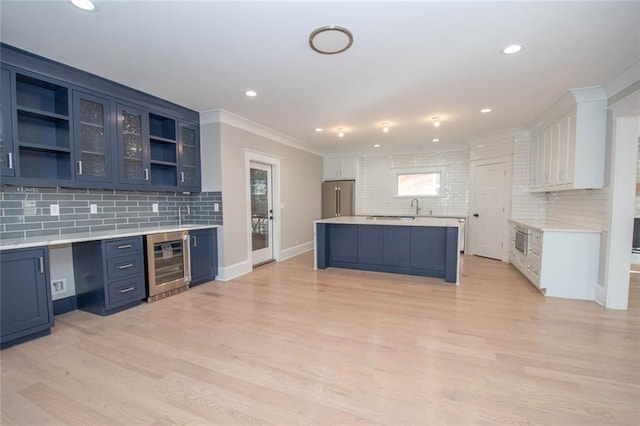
(423, 246)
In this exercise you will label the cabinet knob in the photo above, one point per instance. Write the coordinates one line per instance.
(476, 215)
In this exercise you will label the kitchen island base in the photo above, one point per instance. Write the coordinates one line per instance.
(430, 251)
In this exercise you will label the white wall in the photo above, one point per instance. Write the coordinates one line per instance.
(225, 138)
(524, 203)
(376, 178)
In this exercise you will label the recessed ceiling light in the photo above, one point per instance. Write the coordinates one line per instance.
(511, 49)
(385, 127)
(485, 110)
(318, 129)
(436, 121)
(340, 132)
(377, 145)
(330, 39)
(435, 140)
(87, 5)
(251, 93)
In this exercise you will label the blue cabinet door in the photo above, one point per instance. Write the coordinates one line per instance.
(92, 138)
(25, 294)
(6, 127)
(204, 255)
(343, 243)
(189, 157)
(397, 247)
(428, 248)
(133, 146)
(370, 244)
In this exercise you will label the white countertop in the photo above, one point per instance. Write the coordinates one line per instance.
(52, 240)
(380, 220)
(552, 226)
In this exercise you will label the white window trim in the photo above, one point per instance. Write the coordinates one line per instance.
(416, 171)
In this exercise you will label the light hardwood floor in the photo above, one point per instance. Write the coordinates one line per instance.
(288, 345)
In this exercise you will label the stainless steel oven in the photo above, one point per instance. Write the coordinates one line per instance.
(522, 240)
(168, 264)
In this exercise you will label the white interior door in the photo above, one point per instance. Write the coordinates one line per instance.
(489, 211)
(261, 212)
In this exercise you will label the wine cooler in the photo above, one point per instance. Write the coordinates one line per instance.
(168, 265)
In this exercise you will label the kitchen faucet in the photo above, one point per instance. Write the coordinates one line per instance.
(183, 212)
(417, 205)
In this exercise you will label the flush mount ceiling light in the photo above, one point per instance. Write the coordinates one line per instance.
(436, 121)
(330, 39)
(340, 132)
(485, 110)
(511, 49)
(87, 5)
(251, 93)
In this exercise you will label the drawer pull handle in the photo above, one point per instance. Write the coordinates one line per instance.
(127, 290)
(124, 246)
(10, 155)
(128, 265)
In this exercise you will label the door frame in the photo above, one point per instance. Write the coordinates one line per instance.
(251, 155)
(473, 199)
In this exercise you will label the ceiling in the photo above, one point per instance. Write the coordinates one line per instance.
(409, 61)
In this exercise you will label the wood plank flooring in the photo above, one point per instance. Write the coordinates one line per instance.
(288, 345)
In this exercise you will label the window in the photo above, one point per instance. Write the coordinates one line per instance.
(422, 184)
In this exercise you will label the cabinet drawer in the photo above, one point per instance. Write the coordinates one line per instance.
(124, 266)
(123, 246)
(125, 291)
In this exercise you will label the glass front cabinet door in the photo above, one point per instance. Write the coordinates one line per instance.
(189, 175)
(133, 146)
(92, 139)
(6, 129)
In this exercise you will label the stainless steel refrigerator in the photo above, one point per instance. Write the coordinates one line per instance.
(338, 198)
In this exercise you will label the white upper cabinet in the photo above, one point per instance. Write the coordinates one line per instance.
(339, 168)
(568, 142)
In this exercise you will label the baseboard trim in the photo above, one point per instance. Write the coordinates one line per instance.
(295, 250)
(226, 273)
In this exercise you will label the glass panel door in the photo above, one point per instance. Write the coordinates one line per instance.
(261, 213)
(6, 137)
(168, 261)
(91, 133)
(189, 158)
(134, 167)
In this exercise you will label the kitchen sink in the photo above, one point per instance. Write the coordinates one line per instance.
(390, 217)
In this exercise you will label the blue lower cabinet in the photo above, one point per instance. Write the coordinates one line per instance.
(26, 309)
(370, 244)
(343, 243)
(109, 274)
(414, 250)
(204, 255)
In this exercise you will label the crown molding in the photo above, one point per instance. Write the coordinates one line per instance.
(231, 119)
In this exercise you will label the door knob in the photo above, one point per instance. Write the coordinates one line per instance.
(476, 215)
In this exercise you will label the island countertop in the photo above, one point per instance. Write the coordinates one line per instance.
(394, 221)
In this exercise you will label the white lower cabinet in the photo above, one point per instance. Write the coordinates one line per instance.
(559, 262)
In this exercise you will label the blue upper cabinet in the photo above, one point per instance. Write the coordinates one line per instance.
(189, 149)
(92, 138)
(7, 155)
(64, 127)
(133, 146)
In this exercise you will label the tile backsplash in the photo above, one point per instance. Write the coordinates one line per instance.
(375, 191)
(26, 211)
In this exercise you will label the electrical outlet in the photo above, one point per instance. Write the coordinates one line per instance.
(216, 207)
(154, 207)
(93, 208)
(58, 286)
(54, 209)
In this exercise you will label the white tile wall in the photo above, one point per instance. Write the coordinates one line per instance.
(376, 178)
(581, 207)
(524, 204)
